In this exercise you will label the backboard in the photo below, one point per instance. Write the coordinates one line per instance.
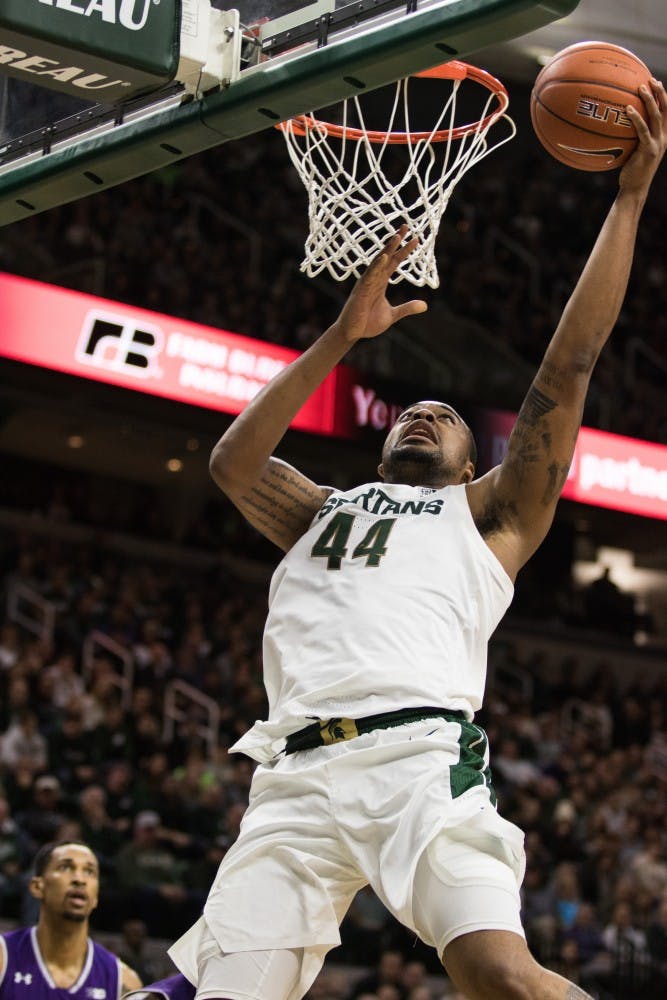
(240, 70)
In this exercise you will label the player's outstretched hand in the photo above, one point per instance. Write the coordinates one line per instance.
(367, 313)
(638, 172)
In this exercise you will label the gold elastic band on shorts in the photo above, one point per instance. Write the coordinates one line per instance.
(328, 731)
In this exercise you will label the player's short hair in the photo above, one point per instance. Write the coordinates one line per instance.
(45, 853)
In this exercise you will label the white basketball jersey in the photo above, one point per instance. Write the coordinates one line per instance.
(387, 601)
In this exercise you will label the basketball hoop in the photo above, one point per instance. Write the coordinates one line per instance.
(359, 191)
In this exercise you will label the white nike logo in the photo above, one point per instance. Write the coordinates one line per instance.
(614, 152)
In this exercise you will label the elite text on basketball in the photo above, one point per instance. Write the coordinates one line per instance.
(588, 107)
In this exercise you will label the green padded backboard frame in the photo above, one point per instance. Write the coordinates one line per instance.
(269, 93)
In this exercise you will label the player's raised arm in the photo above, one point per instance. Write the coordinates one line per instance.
(520, 495)
(274, 497)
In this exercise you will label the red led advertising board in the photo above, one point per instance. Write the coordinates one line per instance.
(607, 470)
(154, 353)
(150, 352)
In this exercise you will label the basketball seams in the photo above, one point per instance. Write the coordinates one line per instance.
(624, 57)
(593, 83)
(549, 146)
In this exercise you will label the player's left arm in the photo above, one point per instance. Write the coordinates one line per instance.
(129, 980)
(519, 497)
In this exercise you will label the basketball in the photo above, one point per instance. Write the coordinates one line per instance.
(579, 101)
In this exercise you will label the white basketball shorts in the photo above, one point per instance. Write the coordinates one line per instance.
(409, 810)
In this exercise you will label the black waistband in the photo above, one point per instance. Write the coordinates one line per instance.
(329, 731)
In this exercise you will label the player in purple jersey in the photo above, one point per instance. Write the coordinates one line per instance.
(56, 958)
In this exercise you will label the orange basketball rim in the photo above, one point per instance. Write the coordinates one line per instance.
(454, 70)
(365, 183)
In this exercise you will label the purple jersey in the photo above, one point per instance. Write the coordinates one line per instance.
(174, 988)
(26, 976)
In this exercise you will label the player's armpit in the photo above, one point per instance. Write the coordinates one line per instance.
(129, 979)
(281, 503)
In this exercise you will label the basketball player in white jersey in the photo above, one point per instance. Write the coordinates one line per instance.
(371, 769)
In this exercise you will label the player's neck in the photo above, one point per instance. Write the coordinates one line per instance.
(417, 477)
(62, 943)
(434, 475)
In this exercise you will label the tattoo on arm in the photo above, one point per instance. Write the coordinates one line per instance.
(552, 375)
(282, 504)
(532, 443)
(557, 474)
(536, 405)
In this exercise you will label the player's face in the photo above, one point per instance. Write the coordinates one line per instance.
(429, 445)
(69, 887)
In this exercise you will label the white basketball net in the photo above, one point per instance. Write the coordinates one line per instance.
(354, 207)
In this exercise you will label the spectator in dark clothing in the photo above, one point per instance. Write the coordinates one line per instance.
(70, 753)
(14, 852)
(587, 933)
(154, 878)
(365, 924)
(656, 942)
(608, 608)
(15, 700)
(147, 736)
(389, 972)
(97, 828)
(120, 797)
(630, 724)
(134, 952)
(44, 817)
(113, 738)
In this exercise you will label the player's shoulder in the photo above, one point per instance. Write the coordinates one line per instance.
(18, 934)
(10, 946)
(129, 979)
(12, 940)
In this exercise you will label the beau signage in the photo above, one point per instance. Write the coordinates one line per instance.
(103, 50)
(131, 14)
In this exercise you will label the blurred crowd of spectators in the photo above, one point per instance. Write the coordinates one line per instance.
(75, 759)
(588, 786)
(73, 497)
(218, 238)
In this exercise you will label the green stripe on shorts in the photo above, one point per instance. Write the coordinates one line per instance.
(471, 769)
